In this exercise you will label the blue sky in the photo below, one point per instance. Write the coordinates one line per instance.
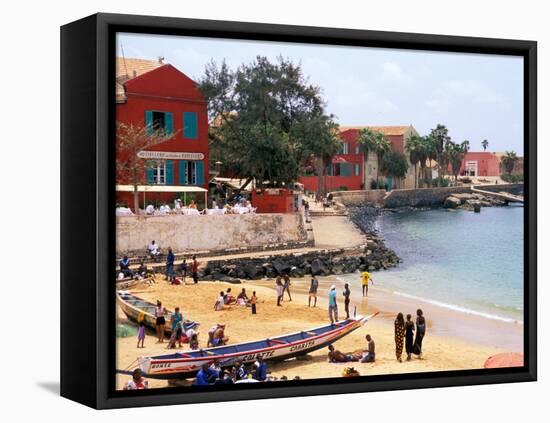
(476, 96)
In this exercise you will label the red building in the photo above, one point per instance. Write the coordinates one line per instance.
(349, 169)
(480, 164)
(159, 97)
(345, 171)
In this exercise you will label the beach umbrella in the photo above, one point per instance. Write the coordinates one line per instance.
(504, 360)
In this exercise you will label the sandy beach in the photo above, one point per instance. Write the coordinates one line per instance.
(448, 345)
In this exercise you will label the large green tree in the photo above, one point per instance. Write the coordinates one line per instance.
(367, 142)
(456, 153)
(394, 164)
(267, 120)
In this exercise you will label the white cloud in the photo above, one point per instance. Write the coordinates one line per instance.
(394, 72)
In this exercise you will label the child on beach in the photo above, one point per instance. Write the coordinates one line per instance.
(253, 301)
(141, 334)
(280, 290)
(194, 342)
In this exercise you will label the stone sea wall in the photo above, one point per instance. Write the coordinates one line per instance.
(208, 232)
(355, 198)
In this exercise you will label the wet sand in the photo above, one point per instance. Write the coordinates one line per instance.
(454, 341)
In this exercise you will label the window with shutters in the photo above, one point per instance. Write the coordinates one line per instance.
(159, 173)
(190, 125)
(158, 122)
(357, 169)
(191, 177)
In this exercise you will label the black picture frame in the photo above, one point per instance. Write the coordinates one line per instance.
(87, 202)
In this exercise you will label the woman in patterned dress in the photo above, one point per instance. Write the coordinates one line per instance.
(399, 335)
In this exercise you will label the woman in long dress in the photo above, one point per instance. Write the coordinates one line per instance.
(420, 332)
(409, 336)
(399, 325)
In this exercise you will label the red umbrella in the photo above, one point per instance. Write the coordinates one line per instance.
(504, 360)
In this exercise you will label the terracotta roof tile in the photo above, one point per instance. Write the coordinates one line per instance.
(129, 68)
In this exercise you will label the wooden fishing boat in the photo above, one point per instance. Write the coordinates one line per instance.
(186, 364)
(134, 307)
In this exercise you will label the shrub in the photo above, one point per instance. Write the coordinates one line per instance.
(466, 180)
(440, 181)
(374, 184)
(513, 178)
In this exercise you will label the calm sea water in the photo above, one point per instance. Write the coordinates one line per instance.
(471, 262)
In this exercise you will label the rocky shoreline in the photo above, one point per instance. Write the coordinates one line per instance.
(472, 202)
(371, 257)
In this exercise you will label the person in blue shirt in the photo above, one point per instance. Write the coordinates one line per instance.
(261, 370)
(170, 258)
(124, 264)
(177, 325)
(332, 305)
(205, 376)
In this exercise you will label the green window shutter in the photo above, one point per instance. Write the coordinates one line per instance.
(149, 121)
(182, 172)
(169, 123)
(345, 169)
(199, 169)
(357, 169)
(169, 172)
(150, 174)
(190, 125)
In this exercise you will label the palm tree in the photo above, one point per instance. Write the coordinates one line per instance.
(367, 142)
(382, 146)
(440, 139)
(484, 144)
(509, 161)
(416, 147)
(456, 153)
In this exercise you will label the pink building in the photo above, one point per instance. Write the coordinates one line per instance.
(480, 164)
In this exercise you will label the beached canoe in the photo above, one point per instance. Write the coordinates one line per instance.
(134, 306)
(186, 364)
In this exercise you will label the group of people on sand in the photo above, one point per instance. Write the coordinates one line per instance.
(214, 374)
(227, 299)
(182, 330)
(282, 285)
(367, 355)
(405, 333)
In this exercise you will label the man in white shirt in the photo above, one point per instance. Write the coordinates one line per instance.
(149, 210)
(154, 250)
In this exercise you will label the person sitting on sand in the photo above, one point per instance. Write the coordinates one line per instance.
(313, 286)
(242, 373)
(192, 204)
(137, 381)
(124, 265)
(218, 306)
(228, 298)
(194, 342)
(369, 355)
(261, 370)
(242, 298)
(205, 376)
(142, 270)
(335, 356)
(216, 336)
